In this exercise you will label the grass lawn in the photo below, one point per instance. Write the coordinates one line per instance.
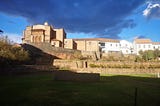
(41, 89)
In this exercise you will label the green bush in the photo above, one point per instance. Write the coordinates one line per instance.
(94, 66)
(154, 66)
(110, 66)
(129, 66)
(149, 55)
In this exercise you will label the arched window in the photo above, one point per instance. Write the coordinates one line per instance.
(36, 39)
(39, 39)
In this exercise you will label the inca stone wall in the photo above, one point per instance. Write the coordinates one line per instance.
(58, 52)
(112, 67)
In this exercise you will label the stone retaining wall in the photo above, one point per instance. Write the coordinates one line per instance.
(57, 52)
(70, 63)
(84, 67)
(116, 71)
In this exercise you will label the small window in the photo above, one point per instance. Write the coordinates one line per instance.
(139, 46)
(102, 44)
(143, 46)
(110, 44)
(149, 46)
(89, 43)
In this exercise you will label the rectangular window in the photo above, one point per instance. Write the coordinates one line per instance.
(143, 46)
(149, 46)
(102, 44)
(110, 44)
(139, 46)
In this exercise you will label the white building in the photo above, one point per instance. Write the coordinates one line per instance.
(145, 44)
(126, 47)
(156, 45)
(121, 46)
(110, 46)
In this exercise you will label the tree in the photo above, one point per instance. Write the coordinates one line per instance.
(157, 53)
(150, 54)
(11, 55)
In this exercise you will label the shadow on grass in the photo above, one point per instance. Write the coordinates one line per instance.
(110, 90)
(147, 88)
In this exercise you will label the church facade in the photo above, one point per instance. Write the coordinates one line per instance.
(44, 33)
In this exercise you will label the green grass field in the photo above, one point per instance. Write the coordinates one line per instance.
(41, 89)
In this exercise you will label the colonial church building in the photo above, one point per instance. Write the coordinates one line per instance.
(44, 33)
(57, 38)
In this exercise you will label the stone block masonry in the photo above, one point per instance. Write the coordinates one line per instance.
(58, 52)
(109, 67)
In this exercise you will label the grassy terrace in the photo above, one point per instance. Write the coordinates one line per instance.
(41, 89)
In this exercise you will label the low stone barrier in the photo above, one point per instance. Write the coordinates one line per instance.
(117, 71)
(115, 67)
(72, 76)
(70, 64)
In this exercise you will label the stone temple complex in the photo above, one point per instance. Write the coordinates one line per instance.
(57, 38)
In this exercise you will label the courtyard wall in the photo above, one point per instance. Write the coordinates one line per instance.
(112, 67)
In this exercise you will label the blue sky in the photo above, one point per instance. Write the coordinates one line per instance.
(117, 19)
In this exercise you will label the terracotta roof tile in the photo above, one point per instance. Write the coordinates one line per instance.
(142, 41)
(98, 39)
(156, 43)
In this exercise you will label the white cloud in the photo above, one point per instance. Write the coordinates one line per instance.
(16, 38)
(152, 10)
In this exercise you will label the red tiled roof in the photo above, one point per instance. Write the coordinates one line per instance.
(156, 43)
(98, 39)
(142, 41)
